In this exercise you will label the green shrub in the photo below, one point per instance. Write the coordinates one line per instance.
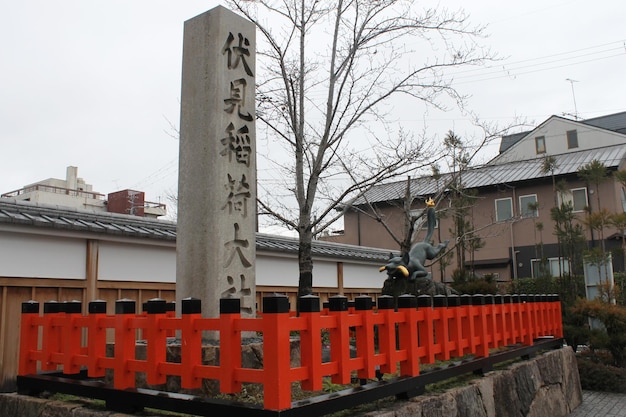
(600, 377)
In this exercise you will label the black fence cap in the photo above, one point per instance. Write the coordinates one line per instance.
(478, 300)
(276, 303)
(125, 306)
(440, 300)
(29, 307)
(230, 306)
(338, 303)
(309, 303)
(454, 300)
(363, 302)
(424, 300)
(466, 299)
(191, 305)
(386, 302)
(97, 307)
(155, 306)
(51, 307)
(407, 301)
(72, 307)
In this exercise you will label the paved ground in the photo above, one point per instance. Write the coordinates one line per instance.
(601, 404)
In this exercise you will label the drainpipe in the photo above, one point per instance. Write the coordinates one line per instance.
(513, 253)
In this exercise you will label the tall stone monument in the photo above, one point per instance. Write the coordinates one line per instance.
(215, 248)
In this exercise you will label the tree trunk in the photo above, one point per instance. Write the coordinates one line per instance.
(305, 263)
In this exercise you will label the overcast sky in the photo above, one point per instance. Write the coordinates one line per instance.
(96, 83)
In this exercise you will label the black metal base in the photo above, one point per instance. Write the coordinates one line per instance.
(134, 400)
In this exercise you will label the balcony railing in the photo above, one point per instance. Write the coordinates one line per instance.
(55, 190)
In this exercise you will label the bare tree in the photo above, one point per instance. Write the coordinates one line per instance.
(330, 71)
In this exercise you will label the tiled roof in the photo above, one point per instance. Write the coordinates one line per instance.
(26, 213)
(614, 122)
(506, 173)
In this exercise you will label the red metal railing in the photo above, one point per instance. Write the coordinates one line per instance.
(421, 330)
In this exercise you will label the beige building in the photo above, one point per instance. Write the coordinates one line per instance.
(508, 188)
(75, 192)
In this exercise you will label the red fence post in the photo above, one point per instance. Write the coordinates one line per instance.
(29, 334)
(440, 315)
(558, 318)
(490, 317)
(51, 339)
(71, 334)
(518, 325)
(276, 353)
(480, 325)
(533, 314)
(310, 344)
(498, 307)
(425, 328)
(191, 343)
(526, 320)
(467, 324)
(407, 329)
(96, 338)
(455, 319)
(340, 339)
(230, 345)
(124, 349)
(364, 306)
(170, 312)
(387, 335)
(156, 338)
(507, 320)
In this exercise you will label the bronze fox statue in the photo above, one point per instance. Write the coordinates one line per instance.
(411, 265)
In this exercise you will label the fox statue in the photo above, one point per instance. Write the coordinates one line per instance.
(410, 266)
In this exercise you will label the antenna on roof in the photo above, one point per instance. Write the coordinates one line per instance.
(574, 96)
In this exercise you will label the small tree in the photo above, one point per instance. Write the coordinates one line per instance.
(613, 317)
(571, 236)
(326, 70)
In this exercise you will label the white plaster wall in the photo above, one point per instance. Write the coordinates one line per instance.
(276, 271)
(324, 273)
(142, 263)
(282, 271)
(362, 276)
(37, 256)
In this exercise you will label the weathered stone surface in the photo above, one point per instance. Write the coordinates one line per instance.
(469, 402)
(485, 389)
(443, 405)
(528, 382)
(504, 391)
(498, 394)
(572, 390)
(548, 401)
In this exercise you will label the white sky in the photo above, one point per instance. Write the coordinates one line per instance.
(96, 83)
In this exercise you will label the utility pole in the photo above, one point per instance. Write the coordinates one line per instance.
(574, 96)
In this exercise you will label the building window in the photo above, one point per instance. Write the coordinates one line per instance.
(549, 267)
(504, 209)
(540, 144)
(528, 205)
(577, 197)
(572, 139)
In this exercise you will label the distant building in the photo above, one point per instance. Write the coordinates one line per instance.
(511, 213)
(75, 192)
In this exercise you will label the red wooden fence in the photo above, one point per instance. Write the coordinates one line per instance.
(421, 330)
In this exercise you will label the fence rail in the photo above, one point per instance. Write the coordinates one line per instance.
(389, 339)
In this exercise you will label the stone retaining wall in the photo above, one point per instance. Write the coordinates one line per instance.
(547, 385)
